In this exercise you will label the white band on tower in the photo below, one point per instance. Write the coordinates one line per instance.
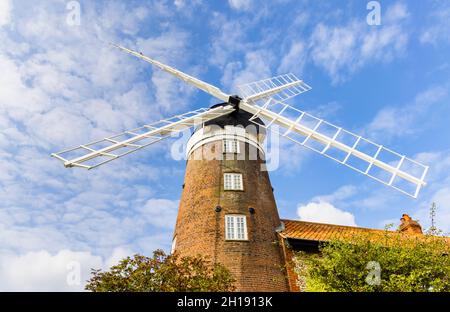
(211, 133)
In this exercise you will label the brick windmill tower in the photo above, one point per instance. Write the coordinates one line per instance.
(227, 210)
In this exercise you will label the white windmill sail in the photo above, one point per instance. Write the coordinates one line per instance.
(99, 152)
(208, 88)
(261, 98)
(280, 88)
(369, 158)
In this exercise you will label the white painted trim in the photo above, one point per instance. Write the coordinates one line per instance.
(207, 135)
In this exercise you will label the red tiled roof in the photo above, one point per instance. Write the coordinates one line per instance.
(321, 231)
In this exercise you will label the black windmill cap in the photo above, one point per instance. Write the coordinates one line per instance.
(236, 118)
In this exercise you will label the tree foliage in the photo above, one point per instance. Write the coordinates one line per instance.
(162, 273)
(373, 262)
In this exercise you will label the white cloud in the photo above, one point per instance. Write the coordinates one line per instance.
(256, 67)
(5, 12)
(401, 120)
(396, 12)
(235, 40)
(230, 31)
(179, 4)
(15, 97)
(240, 4)
(324, 212)
(437, 190)
(326, 110)
(437, 29)
(65, 270)
(333, 48)
(160, 212)
(169, 47)
(292, 156)
(342, 50)
(341, 194)
(43, 271)
(61, 86)
(294, 59)
(442, 197)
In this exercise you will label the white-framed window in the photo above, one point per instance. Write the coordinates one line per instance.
(232, 181)
(230, 146)
(235, 227)
(174, 244)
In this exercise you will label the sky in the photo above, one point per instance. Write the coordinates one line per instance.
(61, 85)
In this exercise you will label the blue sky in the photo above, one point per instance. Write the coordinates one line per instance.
(61, 85)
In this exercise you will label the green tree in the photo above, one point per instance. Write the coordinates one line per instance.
(377, 262)
(161, 273)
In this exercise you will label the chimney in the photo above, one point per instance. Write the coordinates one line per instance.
(409, 226)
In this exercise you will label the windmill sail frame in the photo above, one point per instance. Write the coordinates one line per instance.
(280, 88)
(388, 173)
(259, 98)
(133, 140)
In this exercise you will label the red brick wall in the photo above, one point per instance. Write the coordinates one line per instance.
(289, 264)
(257, 264)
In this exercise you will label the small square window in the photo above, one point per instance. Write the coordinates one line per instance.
(232, 181)
(235, 227)
(230, 146)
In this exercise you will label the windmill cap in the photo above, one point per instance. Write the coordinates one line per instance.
(237, 118)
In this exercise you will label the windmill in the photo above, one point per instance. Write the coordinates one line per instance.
(227, 210)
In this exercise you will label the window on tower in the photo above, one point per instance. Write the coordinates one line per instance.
(232, 181)
(235, 227)
(230, 146)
